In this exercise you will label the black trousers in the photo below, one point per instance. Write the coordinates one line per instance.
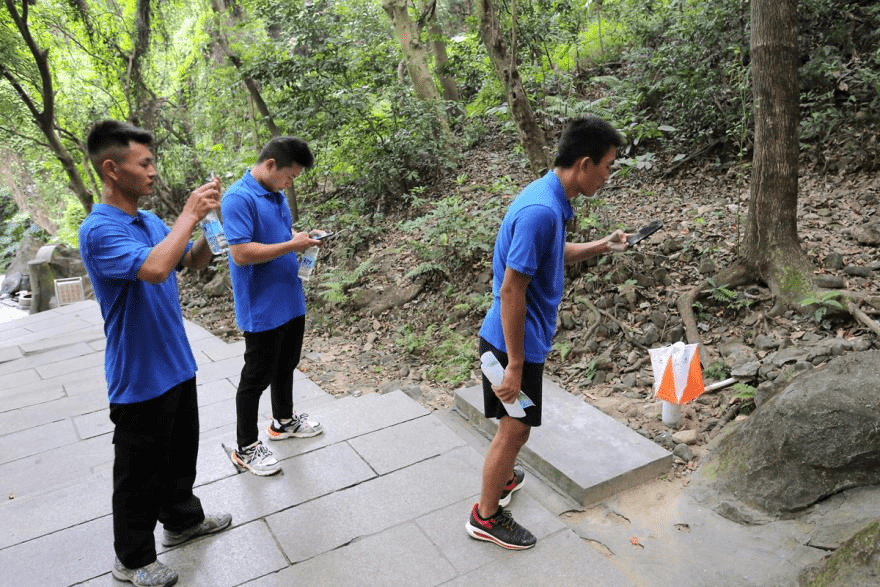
(156, 445)
(269, 360)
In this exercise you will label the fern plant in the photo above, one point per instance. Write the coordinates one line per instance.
(823, 303)
(336, 282)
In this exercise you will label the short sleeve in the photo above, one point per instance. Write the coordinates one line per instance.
(532, 234)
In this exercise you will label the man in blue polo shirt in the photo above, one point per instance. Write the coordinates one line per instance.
(528, 270)
(131, 256)
(270, 305)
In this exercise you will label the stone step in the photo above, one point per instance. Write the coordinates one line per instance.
(587, 454)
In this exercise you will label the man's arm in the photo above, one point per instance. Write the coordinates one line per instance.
(613, 243)
(165, 256)
(199, 256)
(513, 323)
(254, 253)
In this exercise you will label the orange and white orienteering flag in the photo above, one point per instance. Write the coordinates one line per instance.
(678, 377)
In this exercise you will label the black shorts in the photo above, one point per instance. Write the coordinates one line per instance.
(533, 374)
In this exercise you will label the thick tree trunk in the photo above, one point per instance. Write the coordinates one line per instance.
(771, 247)
(415, 54)
(531, 135)
(441, 59)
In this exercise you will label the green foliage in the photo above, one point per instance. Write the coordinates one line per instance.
(448, 353)
(716, 370)
(825, 302)
(454, 234)
(336, 281)
(726, 296)
(68, 227)
(746, 393)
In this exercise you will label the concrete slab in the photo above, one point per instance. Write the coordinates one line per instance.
(228, 558)
(587, 454)
(44, 407)
(402, 555)
(445, 528)
(32, 441)
(303, 478)
(412, 441)
(67, 557)
(560, 560)
(364, 509)
(10, 353)
(58, 467)
(58, 509)
(40, 360)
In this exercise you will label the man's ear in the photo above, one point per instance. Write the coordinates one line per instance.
(108, 168)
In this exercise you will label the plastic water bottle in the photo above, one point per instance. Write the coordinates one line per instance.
(494, 372)
(214, 233)
(307, 263)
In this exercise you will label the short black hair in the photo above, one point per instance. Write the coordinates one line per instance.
(111, 138)
(589, 136)
(286, 151)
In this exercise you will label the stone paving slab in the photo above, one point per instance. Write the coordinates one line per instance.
(585, 452)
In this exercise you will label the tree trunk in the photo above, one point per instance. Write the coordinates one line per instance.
(771, 247)
(45, 118)
(415, 54)
(447, 82)
(530, 133)
(256, 99)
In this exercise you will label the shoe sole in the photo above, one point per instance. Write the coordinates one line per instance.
(478, 534)
(504, 502)
(120, 577)
(258, 473)
(283, 435)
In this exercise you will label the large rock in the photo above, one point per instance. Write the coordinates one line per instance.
(50, 263)
(856, 562)
(17, 277)
(818, 437)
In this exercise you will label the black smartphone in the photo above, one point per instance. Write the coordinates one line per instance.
(644, 232)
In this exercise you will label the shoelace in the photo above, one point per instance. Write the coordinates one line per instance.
(505, 520)
(259, 452)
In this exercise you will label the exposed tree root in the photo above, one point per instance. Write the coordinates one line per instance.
(736, 276)
(739, 275)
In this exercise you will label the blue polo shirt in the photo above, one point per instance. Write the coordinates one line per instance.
(267, 295)
(147, 350)
(531, 240)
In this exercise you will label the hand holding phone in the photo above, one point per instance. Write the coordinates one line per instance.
(644, 232)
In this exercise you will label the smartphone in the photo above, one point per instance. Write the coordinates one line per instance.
(644, 232)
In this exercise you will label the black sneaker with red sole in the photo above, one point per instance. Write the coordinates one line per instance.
(500, 529)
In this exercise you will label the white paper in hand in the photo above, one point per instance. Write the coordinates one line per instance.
(494, 372)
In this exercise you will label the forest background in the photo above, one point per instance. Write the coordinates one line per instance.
(404, 103)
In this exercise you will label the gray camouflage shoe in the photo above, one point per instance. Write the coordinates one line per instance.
(209, 525)
(257, 459)
(154, 574)
(301, 426)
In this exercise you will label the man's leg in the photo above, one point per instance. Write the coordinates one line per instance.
(289, 350)
(180, 508)
(286, 423)
(498, 467)
(260, 359)
(137, 477)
